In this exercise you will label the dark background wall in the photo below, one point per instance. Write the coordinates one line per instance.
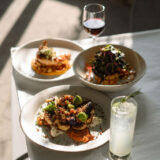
(127, 15)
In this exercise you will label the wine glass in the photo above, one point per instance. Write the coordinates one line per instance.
(94, 19)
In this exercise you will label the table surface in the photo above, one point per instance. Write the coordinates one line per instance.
(146, 144)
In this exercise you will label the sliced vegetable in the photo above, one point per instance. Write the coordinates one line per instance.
(50, 107)
(69, 106)
(82, 116)
(67, 102)
(77, 100)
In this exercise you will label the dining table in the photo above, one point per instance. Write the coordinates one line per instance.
(146, 142)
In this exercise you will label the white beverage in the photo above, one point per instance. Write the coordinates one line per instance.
(122, 124)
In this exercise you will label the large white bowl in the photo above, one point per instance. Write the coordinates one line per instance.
(30, 109)
(131, 56)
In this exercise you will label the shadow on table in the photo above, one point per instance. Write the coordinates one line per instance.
(4, 6)
(17, 30)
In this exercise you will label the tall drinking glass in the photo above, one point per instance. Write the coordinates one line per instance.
(122, 124)
(94, 19)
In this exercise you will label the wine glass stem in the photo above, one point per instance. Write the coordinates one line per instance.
(94, 40)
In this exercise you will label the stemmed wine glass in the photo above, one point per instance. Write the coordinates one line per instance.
(94, 19)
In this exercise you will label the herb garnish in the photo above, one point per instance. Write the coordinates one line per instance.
(130, 96)
(126, 98)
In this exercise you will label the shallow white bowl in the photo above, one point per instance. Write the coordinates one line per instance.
(30, 109)
(131, 56)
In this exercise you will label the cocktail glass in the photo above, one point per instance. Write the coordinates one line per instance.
(122, 124)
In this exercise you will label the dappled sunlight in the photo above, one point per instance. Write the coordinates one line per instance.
(7, 21)
(14, 34)
(122, 39)
(53, 19)
(5, 112)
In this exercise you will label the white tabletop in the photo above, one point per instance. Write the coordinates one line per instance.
(146, 143)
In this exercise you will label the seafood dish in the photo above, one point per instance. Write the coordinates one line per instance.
(47, 62)
(70, 115)
(109, 67)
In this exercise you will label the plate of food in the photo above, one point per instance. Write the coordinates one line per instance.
(46, 60)
(109, 67)
(67, 118)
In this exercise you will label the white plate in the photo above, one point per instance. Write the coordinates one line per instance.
(21, 59)
(29, 113)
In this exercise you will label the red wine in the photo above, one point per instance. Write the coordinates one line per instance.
(94, 26)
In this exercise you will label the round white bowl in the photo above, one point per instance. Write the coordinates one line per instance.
(30, 110)
(132, 57)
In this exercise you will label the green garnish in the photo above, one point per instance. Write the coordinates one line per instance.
(77, 100)
(67, 102)
(130, 96)
(48, 53)
(82, 116)
(108, 47)
(50, 107)
(69, 106)
(116, 104)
